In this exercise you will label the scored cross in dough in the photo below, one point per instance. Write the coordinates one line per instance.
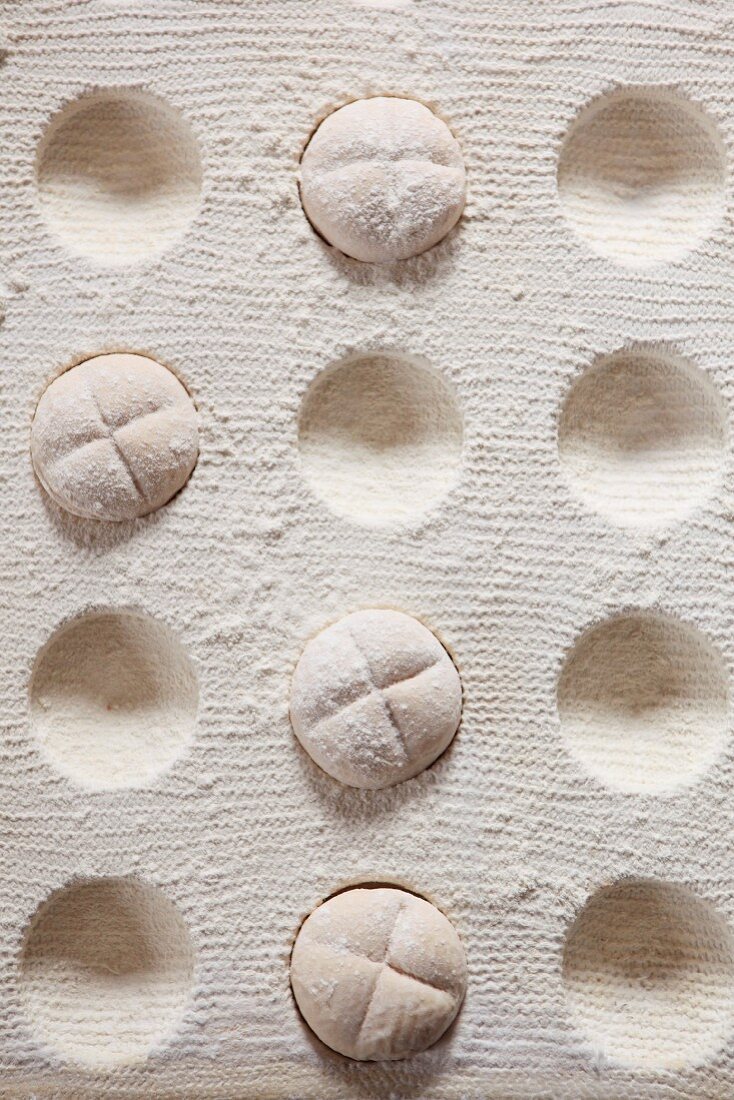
(375, 698)
(378, 973)
(115, 437)
(383, 179)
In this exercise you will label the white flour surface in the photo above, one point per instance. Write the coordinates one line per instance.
(219, 276)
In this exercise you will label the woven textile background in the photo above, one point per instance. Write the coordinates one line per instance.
(507, 834)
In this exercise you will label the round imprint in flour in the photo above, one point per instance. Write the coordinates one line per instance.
(648, 972)
(383, 179)
(113, 699)
(378, 974)
(106, 971)
(375, 698)
(643, 701)
(642, 437)
(119, 176)
(380, 438)
(642, 176)
(114, 438)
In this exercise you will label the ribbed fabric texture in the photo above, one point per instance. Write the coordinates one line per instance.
(511, 832)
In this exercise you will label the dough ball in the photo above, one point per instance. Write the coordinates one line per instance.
(378, 973)
(115, 437)
(375, 698)
(383, 179)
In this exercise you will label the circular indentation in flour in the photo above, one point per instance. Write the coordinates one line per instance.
(118, 175)
(378, 973)
(642, 176)
(648, 971)
(643, 437)
(106, 971)
(380, 438)
(643, 701)
(383, 179)
(113, 699)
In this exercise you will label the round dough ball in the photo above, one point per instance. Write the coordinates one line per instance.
(115, 437)
(375, 698)
(383, 179)
(378, 973)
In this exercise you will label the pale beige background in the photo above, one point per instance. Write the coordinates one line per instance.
(505, 833)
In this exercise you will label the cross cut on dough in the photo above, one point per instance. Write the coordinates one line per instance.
(375, 698)
(383, 179)
(115, 437)
(378, 973)
(388, 965)
(378, 690)
(109, 431)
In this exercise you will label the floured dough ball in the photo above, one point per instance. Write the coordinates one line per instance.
(383, 179)
(115, 437)
(378, 973)
(375, 698)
